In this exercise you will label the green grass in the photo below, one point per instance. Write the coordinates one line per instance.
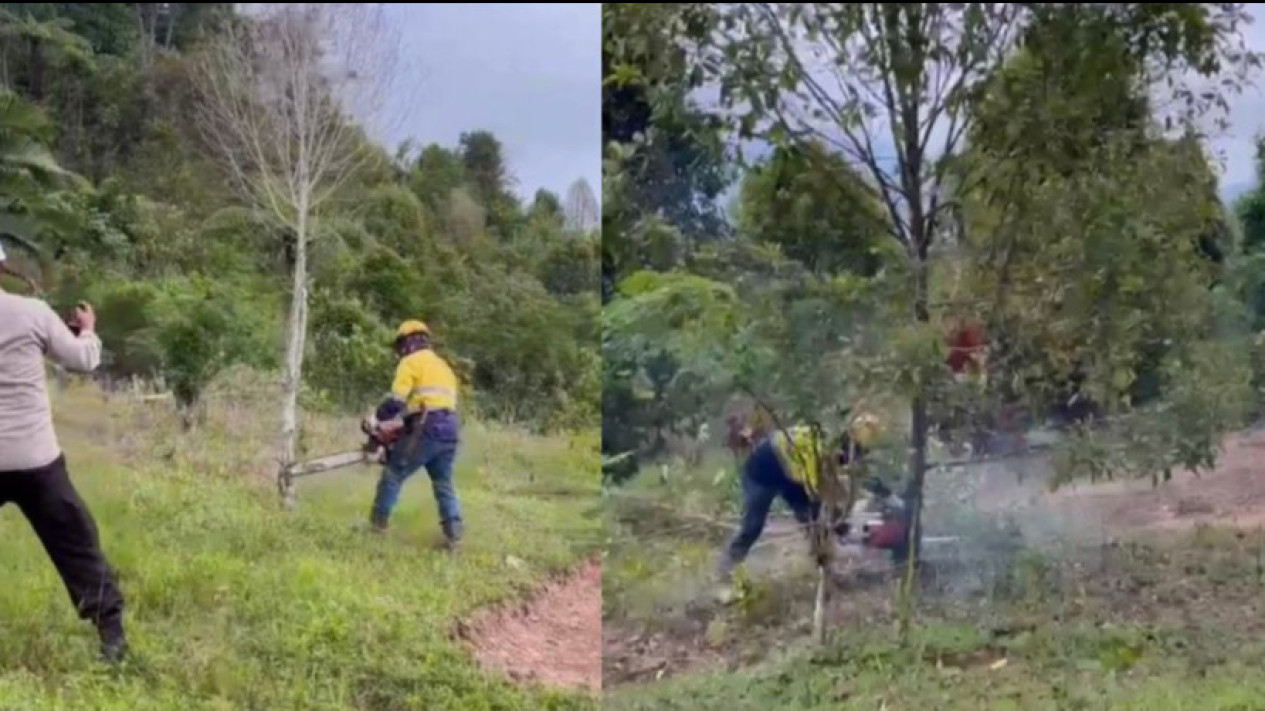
(1121, 668)
(235, 604)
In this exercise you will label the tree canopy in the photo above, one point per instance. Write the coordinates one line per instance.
(1034, 168)
(113, 191)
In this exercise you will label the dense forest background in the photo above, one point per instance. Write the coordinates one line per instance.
(798, 217)
(111, 194)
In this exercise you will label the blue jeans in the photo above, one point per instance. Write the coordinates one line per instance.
(437, 455)
(763, 480)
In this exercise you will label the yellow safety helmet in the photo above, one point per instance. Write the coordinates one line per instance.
(865, 429)
(412, 328)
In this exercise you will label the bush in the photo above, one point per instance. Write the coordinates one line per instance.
(350, 359)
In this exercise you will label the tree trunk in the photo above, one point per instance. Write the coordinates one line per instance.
(35, 59)
(152, 30)
(819, 607)
(145, 40)
(917, 461)
(294, 360)
(173, 13)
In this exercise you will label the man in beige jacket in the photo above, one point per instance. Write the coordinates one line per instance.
(33, 471)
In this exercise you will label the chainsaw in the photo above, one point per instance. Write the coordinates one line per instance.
(380, 438)
(881, 521)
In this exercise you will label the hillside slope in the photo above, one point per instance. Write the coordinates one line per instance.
(236, 604)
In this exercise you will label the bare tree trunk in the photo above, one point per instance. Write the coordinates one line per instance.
(145, 37)
(173, 13)
(295, 344)
(152, 30)
(273, 107)
(819, 607)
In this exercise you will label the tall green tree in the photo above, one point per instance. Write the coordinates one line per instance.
(1251, 206)
(489, 179)
(34, 205)
(1250, 210)
(816, 209)
(666, 158)
(436, 173)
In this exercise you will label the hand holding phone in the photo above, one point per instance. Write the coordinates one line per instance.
(84, 319)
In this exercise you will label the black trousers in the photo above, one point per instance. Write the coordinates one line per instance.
(764, 479)
(65, 526)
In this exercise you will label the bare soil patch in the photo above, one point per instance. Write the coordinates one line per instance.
(554, 638)
(1232, 495)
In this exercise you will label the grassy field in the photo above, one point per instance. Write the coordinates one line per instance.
(1160, 620)
(235, 604)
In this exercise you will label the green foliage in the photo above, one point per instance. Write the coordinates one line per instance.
(664, 156)
(570, 267)
(189, 282)
(490, 182)
(184, 332)
(660, 343)
(436, 173)
(209, 328)
(1100, 266)
(1250, 211)
(126, 312)
(1207, 392)
(1045, 206)
(32, 205)
(350, 359)
(817, 209)
(107, 28)
(1251, 207)
(529, 364)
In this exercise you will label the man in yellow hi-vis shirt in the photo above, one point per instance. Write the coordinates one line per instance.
(784, 464)
(424, 394)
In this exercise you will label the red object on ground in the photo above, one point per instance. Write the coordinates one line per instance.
(887, 535)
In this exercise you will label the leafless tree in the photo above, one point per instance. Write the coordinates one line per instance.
(276, 89)
(582, 212)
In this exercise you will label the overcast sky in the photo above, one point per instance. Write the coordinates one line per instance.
(1247, 117)
(528, 72)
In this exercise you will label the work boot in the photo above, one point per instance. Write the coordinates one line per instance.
(452, 534)
(725, 569)
(378, 524)
(113, 641)
(723, 591)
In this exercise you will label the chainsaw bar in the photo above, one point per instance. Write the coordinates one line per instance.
(329, 463)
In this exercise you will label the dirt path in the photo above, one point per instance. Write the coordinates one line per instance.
(555, 638)
(1231, 495)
